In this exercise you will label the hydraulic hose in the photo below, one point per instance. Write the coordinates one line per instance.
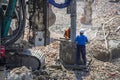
(10, 40)
(62, 5)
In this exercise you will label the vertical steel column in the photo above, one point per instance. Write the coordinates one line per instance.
(45, 22)
(45, 18)
(73, 20)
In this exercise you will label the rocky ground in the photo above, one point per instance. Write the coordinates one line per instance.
(99, 70)
(103, 22)
(106, 17)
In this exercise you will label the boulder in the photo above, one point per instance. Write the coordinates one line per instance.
(21, 73)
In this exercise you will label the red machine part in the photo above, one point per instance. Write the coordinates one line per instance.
(2, 51)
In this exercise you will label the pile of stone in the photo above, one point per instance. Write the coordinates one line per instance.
(104, 10)
(51, 52)
(99, 70)
(103, 71)
(21, 73)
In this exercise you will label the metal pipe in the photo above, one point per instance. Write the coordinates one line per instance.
(45, 20)
(73, 20)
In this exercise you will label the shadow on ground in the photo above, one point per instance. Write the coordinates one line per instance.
(80, 74)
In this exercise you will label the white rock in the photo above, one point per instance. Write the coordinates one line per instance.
(21, 73)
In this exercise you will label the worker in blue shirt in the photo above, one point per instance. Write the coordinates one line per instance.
(81, 41)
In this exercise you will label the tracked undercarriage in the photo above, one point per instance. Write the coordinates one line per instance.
(31, 58)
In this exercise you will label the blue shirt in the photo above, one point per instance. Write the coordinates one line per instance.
(81, 39)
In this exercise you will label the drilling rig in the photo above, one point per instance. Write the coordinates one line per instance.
(24, 24)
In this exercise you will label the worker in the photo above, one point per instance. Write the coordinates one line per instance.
(67, 33)
(81, 41)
